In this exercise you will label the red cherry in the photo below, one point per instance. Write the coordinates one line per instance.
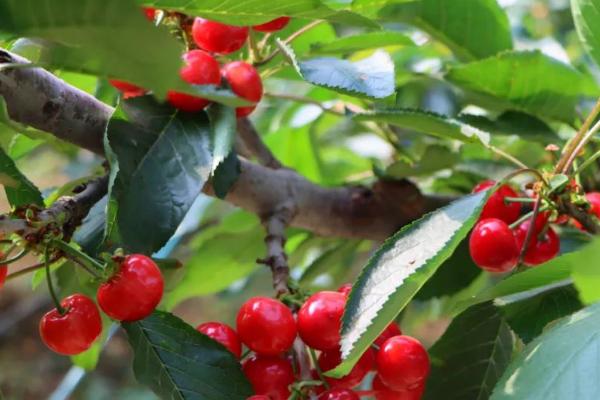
(540, 249)
(390, 331)
(493, 246)
(402, 363)
(134, 291)
(330, 359)
(126, 87)
(200, 69)
(258, 397)
(245, 82)
(339, 394)
(76, 330)
(345, 289)
(382, 392)
(217, 37)
(269, 376)
(272, 26)
(320, 320)
(495, 206)
(266, 326)
(594, 199)
(223, 334)
(3, 273)
(149, 12)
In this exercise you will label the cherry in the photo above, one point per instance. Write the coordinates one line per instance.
(129, 90)
(200, 69)
(338, 394)
(134, 291)
(382, 392)
(390, 331)
(320, 319)
(3, 273)
(330, 359)
(217, 37)
(540, 249)
(269, 376)
(266, 326)
(150, 13)
(594, 199)
(75, 330)
(245, 82)
(495, 207)
(402, 363)
(272, 26)
(493, 246)
(345, 289)
(258, 397)
(223, 334)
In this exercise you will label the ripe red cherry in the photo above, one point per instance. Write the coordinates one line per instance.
(382, 392)
(258, 397)
(134, 291)
(269, 376)
(345, 289)
(493, 246)
(390, 331)
(402, 363)
(320, 319)
(330, 359)
(540, 249)
(129, 90)
(76, 330)
(594, 199)
(200, 69)
(217, 37)
(245, 82)
(150, 13)
(495, 206)
(223, 334)
(272, 26)
(339, 394)
(266, 326)
(3, 273)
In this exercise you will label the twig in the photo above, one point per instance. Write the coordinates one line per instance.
(569, 150)
(584, 140)
(253, 144)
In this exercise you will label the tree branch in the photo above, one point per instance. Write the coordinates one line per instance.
(254, 144)
(38, 98)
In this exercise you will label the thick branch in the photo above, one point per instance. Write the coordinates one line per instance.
(36, 97)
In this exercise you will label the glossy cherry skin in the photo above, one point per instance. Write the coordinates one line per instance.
(402, 363)
(200, 69)
(269, 376)
(495, 207)
(134, 291)
(320, 320)
(390, 331)
(76, 330)
(540, 249)
(124, 86)
(594, 199)
(3, 273)
(150, 13)
(266, 326)
(217, 37)
(272, 26)
(223, 334)
(345, 289)
(245, 82)
(493, 247)
(258, 397)
(332, 358)
(382, 392)
(338, 394)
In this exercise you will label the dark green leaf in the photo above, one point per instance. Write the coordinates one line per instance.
(339, 257)
(364, 41)
(398, 270)
(513, 123)
(562, 363)
(435, 158)
(19, 190)
(180, 363)
(91, 232)
(226, 175)
(471, 356)
(163, 158)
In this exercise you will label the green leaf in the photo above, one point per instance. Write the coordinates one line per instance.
(364, 41)
(21, 145)
(372, 77)
(178, 362)
(471, 356)
(19, 190)
(472, 29)
(434, 158)
(586, 14)
(226, 175)
(527, 81)
(163, 158)
(528, 317)
(398, 270)
(585, 275)
(560, 364)
(513, 123)
(223, 125)
(427, 123)
(339, 257)
(91, 232)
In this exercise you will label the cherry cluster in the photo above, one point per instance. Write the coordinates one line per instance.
(268, 328)
(202, 68)
(497, 240)
(130, 294)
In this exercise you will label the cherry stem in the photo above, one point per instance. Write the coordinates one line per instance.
(536, 210)
(526, 217)
(79, 257)
(313, 357)
(27, 270)
(587, 163)
(519, 200)
(61, 310)
(521, 172)
(506, 156)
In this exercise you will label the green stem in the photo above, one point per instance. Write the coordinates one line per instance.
(526, 217)
(254, 50)
(587, 163)
(519, 200)
(27, 270)
(506, 156)
(523, 171)
(15, 258)
(529, 235)
(77, 255)
(315, 361)
(59, 307)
